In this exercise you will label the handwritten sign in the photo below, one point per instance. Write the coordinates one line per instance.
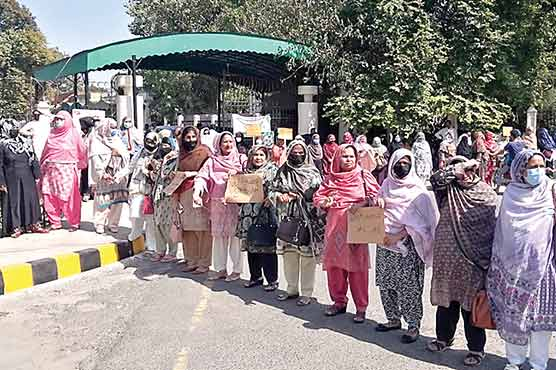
(179, 178)
(506, 131)
(253, 130)
(244, 189)
(268, 139)
(285, 133)
(366, 225)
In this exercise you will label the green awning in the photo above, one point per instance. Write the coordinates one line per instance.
(214, 54)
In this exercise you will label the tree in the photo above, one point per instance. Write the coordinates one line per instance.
(22, 47)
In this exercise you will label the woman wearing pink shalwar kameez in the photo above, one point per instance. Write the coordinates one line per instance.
(63, 157)
(213, 179)
(347, 185)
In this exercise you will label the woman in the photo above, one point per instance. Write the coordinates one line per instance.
(63, 157)
(530, 139)
(141, 185)
(192, 222)
(347, 138)
(547, 145)
(329, 149)
(348, 185)
(212, 179)
(365, 153)
(261, 259)
(131, 136)
(446, 151)
(166, 247)
(465, 146)
(292, 191)
(316, 153)
(278, 151)
(108, 169)
(521, 278)
(396, 144)
(18, 172)
(410, 220)
(492, 149)
(381, 157)
(423, 157)
(462, 250)
(240, 143)
(481, 154)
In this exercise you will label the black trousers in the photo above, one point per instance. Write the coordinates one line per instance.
(447, 322)
(263, 262)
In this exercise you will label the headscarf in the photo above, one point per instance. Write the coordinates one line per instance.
(225, 163)
(365, 153)
(396, 144)
(479, 144)
(65, 143)
(409, 205)
(530, 139)
(348, 138)
(191, 160)
(422, 155)
(315, 150)
(297, 178)
(546, 142)
(347, 188)
(17, 145)
(490, 143)
(329, 148)
(102, 142)
(465, 146)
(378, 147)
(522, 256)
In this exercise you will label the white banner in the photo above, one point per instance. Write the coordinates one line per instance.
(239, 122)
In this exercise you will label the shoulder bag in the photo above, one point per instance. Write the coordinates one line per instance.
(294, 228)
(263, 234)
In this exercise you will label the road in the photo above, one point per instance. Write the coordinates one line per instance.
(152, 316)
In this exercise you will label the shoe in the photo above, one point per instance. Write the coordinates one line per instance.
(286, 296)
(411, 336)
(113, 229)
(304, 301)
(168, 259)
(37, 229)
(359, 317)
(218, 276)
(233, 277)
(54, 228)
(512, 367)
(439, 346)
(200, 271)
(334, 310)
(73, 229)
(271, 287)
(189, 268)
(473, 359)
(16, 233)
(99, 229)
(251, 283)
(389, 326)
(86, 198)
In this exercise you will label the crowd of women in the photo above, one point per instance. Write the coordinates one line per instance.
(309, 190)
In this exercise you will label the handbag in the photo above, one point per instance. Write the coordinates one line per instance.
(148, 206)
(36, 169)
(262, 234)
(294, 229)
(481, 317)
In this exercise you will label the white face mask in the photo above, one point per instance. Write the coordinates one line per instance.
(238, 139)
(128, 124)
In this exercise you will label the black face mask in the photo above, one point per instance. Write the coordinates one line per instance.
(401, 170)
(14, 133)
(165, 150)
(297, 159)
(150, 147)
(190, 145)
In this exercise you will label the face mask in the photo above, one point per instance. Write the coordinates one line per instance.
(190, 145)
(297, 159)
(127, 124)
(401, 170)
(14, 133)
(150, 146)
(535, 175)
(238, 139)
(316, 141)
(397, 139)
(113, 133)
(165, 149)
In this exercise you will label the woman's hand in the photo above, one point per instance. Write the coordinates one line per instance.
(232, 172)
(3, 188)
(197, 200)
(287, 197)
(380, 203)
(267, 203)
(326, 202)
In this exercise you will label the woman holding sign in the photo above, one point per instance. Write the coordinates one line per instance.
(292, 190)
(213, 179)
(462, 250)
(410, 219)
(346, 186)
(261, 258)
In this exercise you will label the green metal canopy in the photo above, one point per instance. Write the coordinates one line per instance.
(214, 54)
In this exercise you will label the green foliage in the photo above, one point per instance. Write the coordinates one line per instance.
(22, 47)
(401, 64)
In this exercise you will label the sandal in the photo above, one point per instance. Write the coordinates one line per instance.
(16, 233)
(190, 268)
(389, 326)
(157, 257)
(200, 270)
(334, 310)
(168, 259)
(286, 296)
(233, 277)
(253, 283)
(304, 301)
(411, 336)
(438, 345)
(359, 317)
(218, 276)
(271, 287)
(473, 359)
(113, 229)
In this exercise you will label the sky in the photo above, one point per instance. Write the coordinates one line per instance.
(76, 25)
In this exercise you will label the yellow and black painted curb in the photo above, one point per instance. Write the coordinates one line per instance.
(25, 275)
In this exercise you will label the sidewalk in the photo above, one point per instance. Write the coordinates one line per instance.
(36, 246)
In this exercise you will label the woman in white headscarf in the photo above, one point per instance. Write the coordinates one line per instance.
(423, 157)
(381, 157)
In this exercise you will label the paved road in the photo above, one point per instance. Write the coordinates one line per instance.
(152, 316)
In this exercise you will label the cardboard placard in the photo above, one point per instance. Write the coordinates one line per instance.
(285, 133)
(179, 178)
(247, 188)
(366, 225)
(253, 130)
(506, 131)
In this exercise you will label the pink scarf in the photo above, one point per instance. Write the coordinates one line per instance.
(65, 144)
(408, 204)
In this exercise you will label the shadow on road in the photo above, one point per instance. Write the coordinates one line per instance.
(314, 318)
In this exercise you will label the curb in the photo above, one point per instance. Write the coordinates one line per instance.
(25, 275)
